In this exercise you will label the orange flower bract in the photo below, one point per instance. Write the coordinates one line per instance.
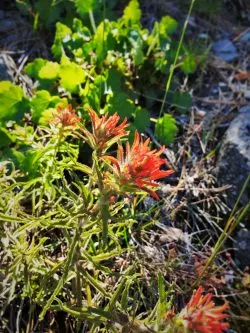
(105, 129)
(66, 117)
(138, 166)
(202, 316)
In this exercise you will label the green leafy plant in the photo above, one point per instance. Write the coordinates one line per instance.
(112, 66)
(78, 212)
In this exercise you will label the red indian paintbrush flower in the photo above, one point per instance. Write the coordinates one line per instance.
(105, 129)
(202, 316)
(66, 117)
(138, 167)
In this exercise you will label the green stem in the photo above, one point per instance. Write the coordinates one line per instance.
(232, 223)
(50, 169)
(30, 320)
(173, 66)
(105, 219)
(154, 39)
(92, 20)
(104, 203)
(63, 279)
(78, 275)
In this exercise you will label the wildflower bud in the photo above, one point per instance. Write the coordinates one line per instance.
(138, 167)
(105, 130)
(65, 117)
(202, 316)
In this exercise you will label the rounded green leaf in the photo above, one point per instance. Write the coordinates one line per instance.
(84, 6)
(50, 71)
(189, 65)
(33, 68)
(121, 104)
(142, 119)
(167, 26)
(13, 104)
(72, 75)
(39, 104)
(182, 100)
(132, 12)
(166, 129)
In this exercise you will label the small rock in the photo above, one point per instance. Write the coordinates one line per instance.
(243, 248)
(233, 166)
(5, 74)
(245, 37)
(225, 50)
(247, 94)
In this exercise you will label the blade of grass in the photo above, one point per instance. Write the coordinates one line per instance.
(173, 66)
(230, 226)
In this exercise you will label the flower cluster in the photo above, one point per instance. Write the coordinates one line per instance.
(202, 316)
(66, 117)
(138, 167)
(105, 130)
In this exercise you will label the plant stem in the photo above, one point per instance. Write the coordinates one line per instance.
(50, 169)
(173, 66)
(105, 218)
(230, 226)
(78, 257)
(92, 20)
(103, 202)
(61, 282)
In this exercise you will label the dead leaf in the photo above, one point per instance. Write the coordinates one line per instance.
(174, 235)
(242, 75)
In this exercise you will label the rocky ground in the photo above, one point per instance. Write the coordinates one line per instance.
(220, 119)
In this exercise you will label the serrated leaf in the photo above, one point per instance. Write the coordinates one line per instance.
(39, 104)
(167, 26)
(62, 31)
(137, 47)
(33, 68)
(84, 6)
(132, 12)
(182, 100)
(81, 33)
(72, 75)
(142, 119)
(189, 65)
(49, 71)
(63, 34)
(166, 129)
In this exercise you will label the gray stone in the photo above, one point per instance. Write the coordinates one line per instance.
(243, 248)
(245, 37)
(233, 166)
(225, 50)
(5, 74)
